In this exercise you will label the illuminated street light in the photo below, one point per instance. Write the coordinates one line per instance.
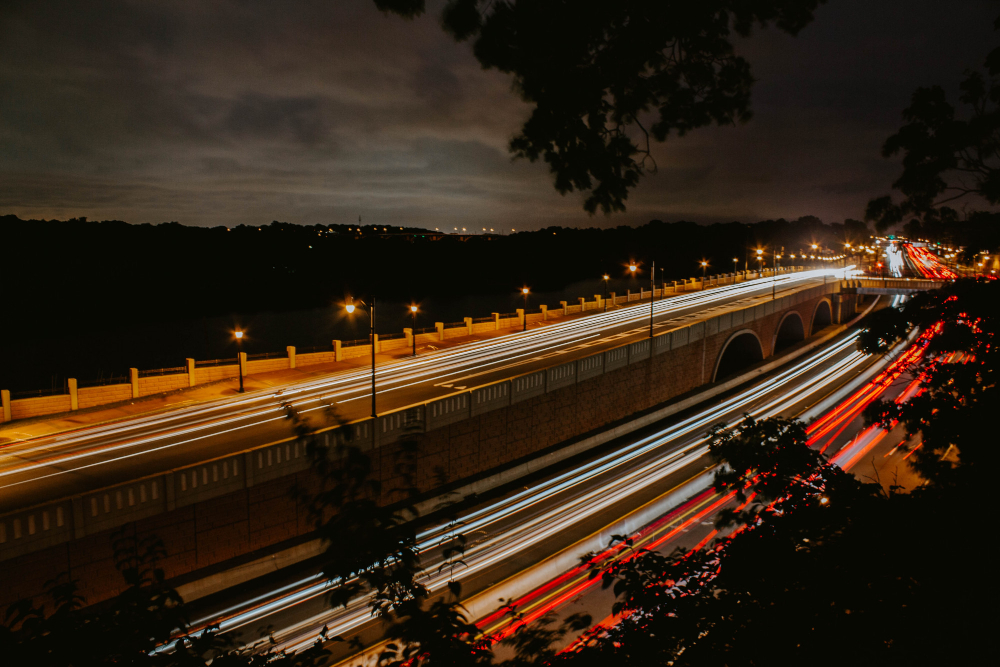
(413, 333)
(239, 357)
(606, 276)
(524, 291)
(652, 296)
(704, 265)
(350, 308)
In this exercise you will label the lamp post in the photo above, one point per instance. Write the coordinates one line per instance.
(239, 357)
(735, 264)
(704, 265)
(652, 297)
(371, 339)
(606, 276)
(774, 268)
(413, 333)
(524, 291)
(760, 263)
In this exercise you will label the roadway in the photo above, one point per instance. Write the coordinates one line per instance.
(37, 470)
(632, 483)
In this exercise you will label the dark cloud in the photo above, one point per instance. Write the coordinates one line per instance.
(310, 111)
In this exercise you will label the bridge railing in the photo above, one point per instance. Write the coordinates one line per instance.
(74, 517)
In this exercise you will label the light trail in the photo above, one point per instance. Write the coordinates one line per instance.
(928, 264)
(554, 594)
(507, 543)
(183, 425)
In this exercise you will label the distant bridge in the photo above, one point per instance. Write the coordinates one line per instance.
(888, 286)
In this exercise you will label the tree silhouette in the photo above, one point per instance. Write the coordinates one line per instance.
(959, 372)
(946, 157)
(605, 79)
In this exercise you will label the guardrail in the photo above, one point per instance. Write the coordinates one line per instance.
(161, 371)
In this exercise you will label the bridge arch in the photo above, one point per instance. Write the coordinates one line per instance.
(790, 331)
(741, 349)
(822, 315)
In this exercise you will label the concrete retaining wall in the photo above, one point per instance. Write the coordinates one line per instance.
(157, 384)
(43, 405)
(109, 393)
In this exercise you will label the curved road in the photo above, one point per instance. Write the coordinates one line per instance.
(41, 469)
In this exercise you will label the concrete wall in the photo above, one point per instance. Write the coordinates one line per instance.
(158, 384)
(209, 512)
(109, 393)
(43, 405)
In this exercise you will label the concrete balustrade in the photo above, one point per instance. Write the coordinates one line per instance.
(191, 375)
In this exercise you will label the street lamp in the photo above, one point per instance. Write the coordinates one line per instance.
(704, 265)
(652, 297)
(413, 333)
(760, 263)
(524, 291)
(774, 268)
(239, 356)
(350, 308)
(606, 276)
(736, 263)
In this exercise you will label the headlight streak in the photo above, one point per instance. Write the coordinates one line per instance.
(540, 527)
(403, 370)
(634, 481)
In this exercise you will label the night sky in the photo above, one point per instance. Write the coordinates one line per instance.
(221, 113)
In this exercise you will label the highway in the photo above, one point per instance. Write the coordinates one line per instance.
(635, 483)
(926, 264)
(40, 469)
(871, 453)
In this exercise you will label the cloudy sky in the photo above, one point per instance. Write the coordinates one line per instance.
(248, 111)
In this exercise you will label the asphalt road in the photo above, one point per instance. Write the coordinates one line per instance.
(632, 483)
(46, 468)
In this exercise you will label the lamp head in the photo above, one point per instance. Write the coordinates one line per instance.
(606, 276)
(238, 334)
(632, 267)
(350, 305)
(413, 309)
(524, 290)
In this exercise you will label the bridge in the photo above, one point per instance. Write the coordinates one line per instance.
(888, 286)
(214, 481)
